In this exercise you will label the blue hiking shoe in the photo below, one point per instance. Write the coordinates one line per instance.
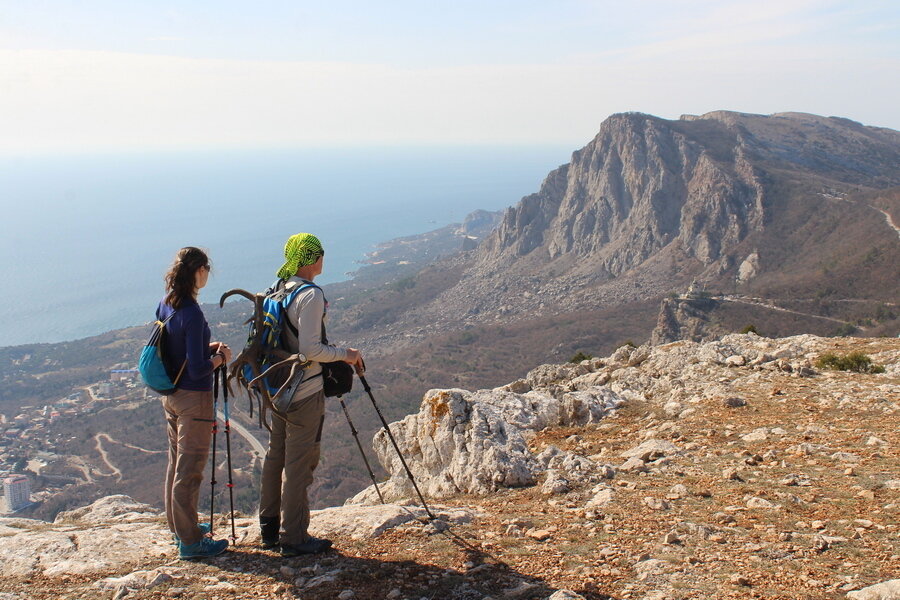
(205, 548)
(204, 530)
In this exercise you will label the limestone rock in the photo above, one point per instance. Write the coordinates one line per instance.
(565, 595)
(363, 522)
(757, 502)
(110, 509)
(633, 464)
(555, 484)
(760, 434)
(651, 450)
(887, 590)
(138, 580)
(477, 442)
(600, 499)
(83, 548)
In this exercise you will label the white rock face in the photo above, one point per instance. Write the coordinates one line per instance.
(477, 442)
(565, 595)
(111, 509)
(82, 542)
(748, 268)
(363, 522)
(651, 449)
(139, 580)
(888, 590)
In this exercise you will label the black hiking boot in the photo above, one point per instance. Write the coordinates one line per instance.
(312, 545)
(268, 531)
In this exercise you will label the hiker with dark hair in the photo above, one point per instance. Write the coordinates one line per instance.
(296, 435)
(189, 409)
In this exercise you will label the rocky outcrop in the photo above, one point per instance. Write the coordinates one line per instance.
(117, 532)
(682, 319)
(887, 590)
(657, 472)
(478, 442)
(699, 185)
(639, 186)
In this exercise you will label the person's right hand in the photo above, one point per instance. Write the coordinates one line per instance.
(354, 357)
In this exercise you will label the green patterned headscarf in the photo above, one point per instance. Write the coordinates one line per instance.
(300, 250)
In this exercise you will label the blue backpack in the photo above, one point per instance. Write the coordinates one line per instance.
(151, 364)
(278, 299)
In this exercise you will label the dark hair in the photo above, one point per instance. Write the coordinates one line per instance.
(180, 278)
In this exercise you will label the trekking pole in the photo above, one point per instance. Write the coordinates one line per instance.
(228, 452)
(212, 477)
(356, 437)
(396, 447)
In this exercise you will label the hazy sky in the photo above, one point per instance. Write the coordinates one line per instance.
(94, 75)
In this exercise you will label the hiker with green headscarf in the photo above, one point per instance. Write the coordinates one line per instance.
(295, 440)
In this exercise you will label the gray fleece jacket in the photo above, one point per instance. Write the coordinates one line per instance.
(306, 313)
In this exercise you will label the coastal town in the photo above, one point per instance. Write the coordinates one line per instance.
(33, 465)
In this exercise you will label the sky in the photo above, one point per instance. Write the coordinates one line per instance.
(92, 76)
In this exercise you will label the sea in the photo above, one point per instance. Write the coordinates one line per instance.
(85, 240)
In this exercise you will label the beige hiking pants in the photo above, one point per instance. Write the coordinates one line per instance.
(189, 417)
(293, 454)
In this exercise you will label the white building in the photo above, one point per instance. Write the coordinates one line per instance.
(18, 492)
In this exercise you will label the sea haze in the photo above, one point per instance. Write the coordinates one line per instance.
(86, 240)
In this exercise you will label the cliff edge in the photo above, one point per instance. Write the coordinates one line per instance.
(738, 468)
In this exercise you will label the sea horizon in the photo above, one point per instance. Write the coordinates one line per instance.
(88, 238)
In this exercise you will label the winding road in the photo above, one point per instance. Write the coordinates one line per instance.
(242, 431)
(779, 308)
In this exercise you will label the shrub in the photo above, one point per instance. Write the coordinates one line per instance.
(855, 361)
(580, 357)
(751, 328)
(845, 330)
(401, 285)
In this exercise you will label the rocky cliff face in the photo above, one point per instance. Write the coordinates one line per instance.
(699, 185)
(734, 468)
(638, 187)
(735, 200)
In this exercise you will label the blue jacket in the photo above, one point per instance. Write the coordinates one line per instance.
(187, 337)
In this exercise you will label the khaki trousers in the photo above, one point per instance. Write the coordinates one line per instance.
(288, 468)
(189, 417)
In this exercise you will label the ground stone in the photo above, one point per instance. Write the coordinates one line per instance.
(565, 595)
(887, 590)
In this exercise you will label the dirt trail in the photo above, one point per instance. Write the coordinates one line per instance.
(127, 445)
(890, 220)
(779, 308)
(78, 463)
(105, 457)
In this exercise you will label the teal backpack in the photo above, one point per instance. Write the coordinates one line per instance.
(278, 299)
(151, 365)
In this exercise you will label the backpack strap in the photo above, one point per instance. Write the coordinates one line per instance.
(287, 302)
(162, 325)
